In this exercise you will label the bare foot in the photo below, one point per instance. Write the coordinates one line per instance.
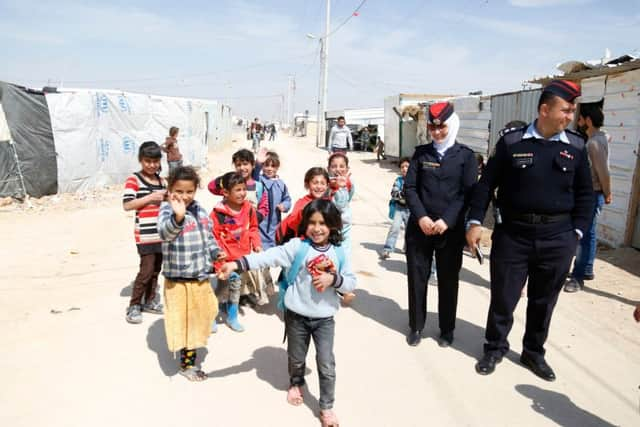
(328, 418)
(294, 395)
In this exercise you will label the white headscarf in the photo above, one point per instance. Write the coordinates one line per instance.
(453, 123)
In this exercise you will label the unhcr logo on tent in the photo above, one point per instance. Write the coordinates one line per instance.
(128, 146)
(103, 149)
(123, 102)
(102, 104)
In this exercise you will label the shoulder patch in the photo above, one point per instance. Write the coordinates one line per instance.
(511, 136)
(576, 139)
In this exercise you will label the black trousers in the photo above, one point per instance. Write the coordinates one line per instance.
(514, 257)
(448, 249)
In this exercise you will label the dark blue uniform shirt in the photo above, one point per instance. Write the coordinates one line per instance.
(440, 187)
(537, 176)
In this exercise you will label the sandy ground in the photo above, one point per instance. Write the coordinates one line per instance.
(70, 359)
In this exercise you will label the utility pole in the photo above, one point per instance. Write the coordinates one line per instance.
(291, 93)
(324, 75)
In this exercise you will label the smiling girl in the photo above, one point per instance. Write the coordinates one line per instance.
(311, 300)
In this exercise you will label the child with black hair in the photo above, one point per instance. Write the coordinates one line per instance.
(245, 163)
(279, 203)
(189, 251)
(398, 209)
(311, 299)
(143, 192)
(235, 227)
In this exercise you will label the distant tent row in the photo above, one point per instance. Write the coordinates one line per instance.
(76, 140)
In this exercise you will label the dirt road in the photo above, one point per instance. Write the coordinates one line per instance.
(70, 359)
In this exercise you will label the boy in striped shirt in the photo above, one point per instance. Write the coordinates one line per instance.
(143, 192)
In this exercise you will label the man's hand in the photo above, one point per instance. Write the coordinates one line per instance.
(426, 225)
(474, 233)
(178, 206)
(608, 199)
(322, 281)
(439, 227)
(226, 270)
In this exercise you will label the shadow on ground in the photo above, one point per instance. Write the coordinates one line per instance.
(559, 408)
(270, 364)
(157, 342)
(469, 337)
(127, 290)
(391, 165)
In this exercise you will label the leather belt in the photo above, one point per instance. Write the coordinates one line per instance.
(532, 218)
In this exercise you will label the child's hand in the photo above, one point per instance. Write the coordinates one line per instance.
(281, 207)
(226, 270)
(156, 197)
(178, 206)
(323, 281)
(221, 255)
(258, 249)
(261, 157)
(342, 181)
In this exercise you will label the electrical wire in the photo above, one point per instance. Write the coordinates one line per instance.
(343, 23)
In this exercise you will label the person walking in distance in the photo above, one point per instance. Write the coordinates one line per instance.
(546, 201)
(340, 138)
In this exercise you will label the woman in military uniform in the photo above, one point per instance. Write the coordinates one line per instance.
(438, 184)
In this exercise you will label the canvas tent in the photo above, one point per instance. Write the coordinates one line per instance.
(81, 139)
(27, 151)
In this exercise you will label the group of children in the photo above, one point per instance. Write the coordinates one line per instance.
(240, 240)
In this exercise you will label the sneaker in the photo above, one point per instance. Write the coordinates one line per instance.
(134, 315)
(572, 285)
(264, 299)
(153, 307)
(385, 254)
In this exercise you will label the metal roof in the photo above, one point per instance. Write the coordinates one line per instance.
(594, 72)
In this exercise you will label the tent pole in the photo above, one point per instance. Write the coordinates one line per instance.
(15, 155)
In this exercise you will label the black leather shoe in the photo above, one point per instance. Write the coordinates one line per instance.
(414, 338)
(589, 277)
(487, 364)
(540, 368)
(445, 340)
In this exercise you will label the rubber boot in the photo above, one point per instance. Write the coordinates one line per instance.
(232, 318)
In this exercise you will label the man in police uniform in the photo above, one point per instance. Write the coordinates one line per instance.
(545, 197)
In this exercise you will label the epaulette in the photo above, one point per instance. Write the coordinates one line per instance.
(575, 138)
(513, 135)
(504, 131)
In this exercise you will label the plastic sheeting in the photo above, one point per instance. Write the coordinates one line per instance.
(28, 122)
(98, 134)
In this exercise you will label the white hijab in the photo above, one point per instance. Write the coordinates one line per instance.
(453, 123)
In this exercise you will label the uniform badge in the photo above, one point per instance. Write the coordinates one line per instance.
(430, 165)
(566, 154)
(436, 122)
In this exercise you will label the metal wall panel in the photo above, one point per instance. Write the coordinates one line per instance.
(622, 122)
(506, 107)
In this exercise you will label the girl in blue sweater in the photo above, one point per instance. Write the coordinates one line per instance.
(312, 299)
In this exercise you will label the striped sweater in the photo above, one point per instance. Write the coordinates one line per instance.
(146, 222)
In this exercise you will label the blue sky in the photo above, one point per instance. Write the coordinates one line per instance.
(242, 51)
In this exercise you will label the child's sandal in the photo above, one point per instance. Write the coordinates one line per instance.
(328, 418)
(295, 396)
(193, 374)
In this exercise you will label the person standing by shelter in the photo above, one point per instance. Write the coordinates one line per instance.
(590, 120)
(438, 185)
(170, 146)
(546, 201)
(340, 138)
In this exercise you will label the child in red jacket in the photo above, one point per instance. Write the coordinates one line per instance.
(235, 227)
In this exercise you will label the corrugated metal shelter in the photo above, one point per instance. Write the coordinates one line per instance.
(475, 117)
(619, 86)
(506, 107)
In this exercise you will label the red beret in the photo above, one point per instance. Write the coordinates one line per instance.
(439, 113)
(565, 89)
